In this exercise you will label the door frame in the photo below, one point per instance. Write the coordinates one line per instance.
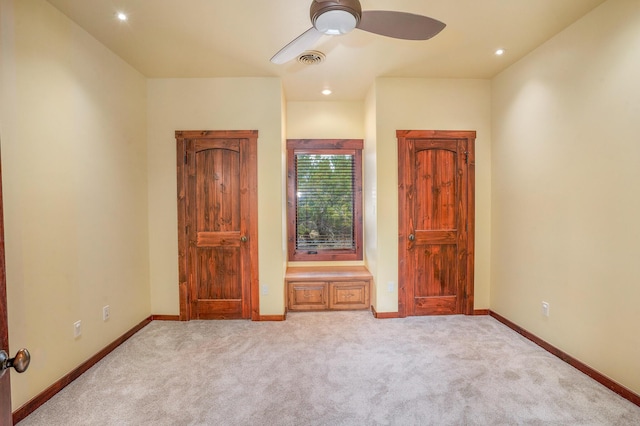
(404, 137)
(6, 416)
(182, 136)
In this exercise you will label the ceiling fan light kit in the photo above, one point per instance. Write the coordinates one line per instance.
(335, 22)
(337, 17)
(332, 17)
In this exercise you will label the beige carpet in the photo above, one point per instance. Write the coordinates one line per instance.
(334, 368)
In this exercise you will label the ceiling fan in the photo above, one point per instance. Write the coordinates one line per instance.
(335, 17)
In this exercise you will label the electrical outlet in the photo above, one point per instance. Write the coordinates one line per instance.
(264, 289)
(106, 312)
(77, 329)
(545, 309)
(391, 286)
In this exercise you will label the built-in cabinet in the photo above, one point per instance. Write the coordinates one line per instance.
(328, 288)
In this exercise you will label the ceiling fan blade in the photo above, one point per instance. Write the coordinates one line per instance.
(401, 25)
(303, 42)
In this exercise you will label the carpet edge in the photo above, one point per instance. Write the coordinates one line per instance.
(38, 400)
(607, 382)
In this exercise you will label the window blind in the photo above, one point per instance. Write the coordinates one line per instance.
(325, 202)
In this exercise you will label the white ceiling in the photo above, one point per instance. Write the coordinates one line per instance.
(231, 38)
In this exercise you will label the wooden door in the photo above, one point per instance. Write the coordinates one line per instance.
(436, 222)
(5, 387)
(217, 223)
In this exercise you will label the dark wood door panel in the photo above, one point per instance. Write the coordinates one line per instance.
(423, 142)
(219, 309)
(435, 189)
(217, 230)
(218, 283)
(218, 274)
(423, 237)
(435, 176)
(229, 142)
(436, 305)
(436, 271)
(218, 239)
(217, 206)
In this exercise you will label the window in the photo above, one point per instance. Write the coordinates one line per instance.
(324, 199)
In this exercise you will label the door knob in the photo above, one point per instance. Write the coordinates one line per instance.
(412, 237)
(20, 362)
(243, 239)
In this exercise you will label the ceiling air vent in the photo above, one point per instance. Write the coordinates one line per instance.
(311, 57)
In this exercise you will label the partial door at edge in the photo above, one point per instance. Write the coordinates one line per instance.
(436, 222)
(217, 224)
(5, 386)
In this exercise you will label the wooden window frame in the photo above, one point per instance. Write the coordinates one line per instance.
(319, 146)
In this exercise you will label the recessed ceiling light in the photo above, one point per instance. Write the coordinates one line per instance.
(500, 52)
(326, 92)
(121, 16)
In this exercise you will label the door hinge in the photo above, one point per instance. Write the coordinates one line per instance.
(185, 158)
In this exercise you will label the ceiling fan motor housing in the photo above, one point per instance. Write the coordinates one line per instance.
(335, 16)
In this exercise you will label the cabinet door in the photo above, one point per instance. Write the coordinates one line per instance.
(349, 295)
(307, 296)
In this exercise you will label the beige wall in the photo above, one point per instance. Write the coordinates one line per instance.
(325, 120)
(74, 180)
(565, 182)
(214, 104)
(426, 104)
(369, 191)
